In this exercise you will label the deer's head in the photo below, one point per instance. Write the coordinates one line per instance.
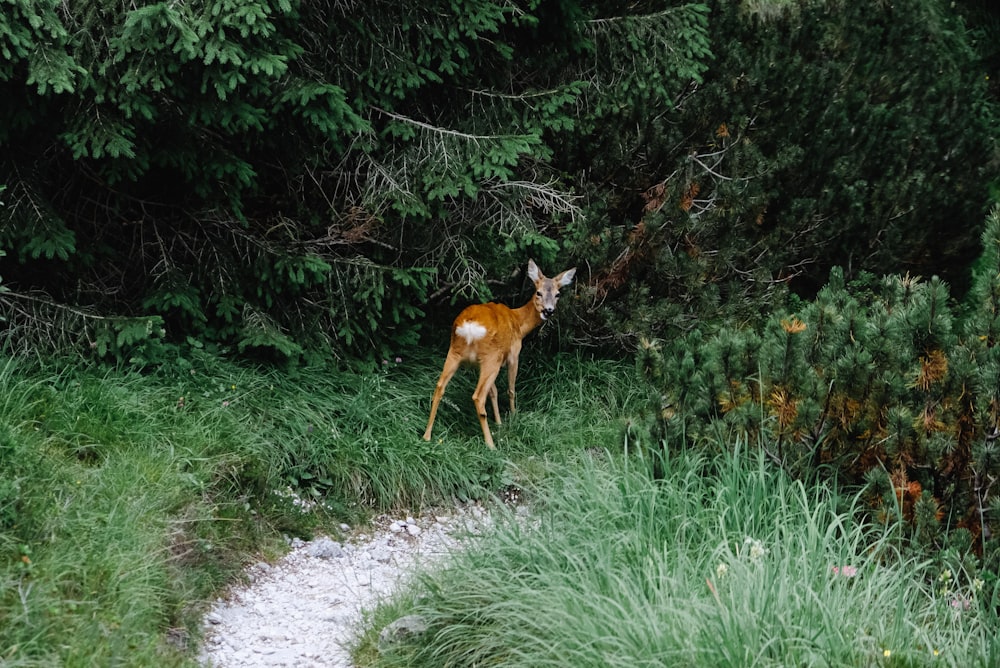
(547, 289)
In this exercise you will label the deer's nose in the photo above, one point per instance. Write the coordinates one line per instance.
(546, 312)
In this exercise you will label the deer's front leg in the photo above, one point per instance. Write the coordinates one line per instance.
(512, 375)
(488, 371)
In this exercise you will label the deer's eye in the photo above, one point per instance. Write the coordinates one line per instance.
(539, 293)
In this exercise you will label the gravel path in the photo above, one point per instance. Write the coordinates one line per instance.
(302, 610)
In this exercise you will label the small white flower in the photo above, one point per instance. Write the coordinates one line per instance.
(756, 551)
(721, 571)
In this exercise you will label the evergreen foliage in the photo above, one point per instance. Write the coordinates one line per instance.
(878, 381)
(268, 175)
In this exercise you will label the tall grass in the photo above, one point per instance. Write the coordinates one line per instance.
(721, 562)
(127, 499)
(81, 528)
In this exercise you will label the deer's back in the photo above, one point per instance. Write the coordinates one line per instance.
(483, 329)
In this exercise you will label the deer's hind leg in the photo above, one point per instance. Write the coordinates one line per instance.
(451, 364)
(496, 403)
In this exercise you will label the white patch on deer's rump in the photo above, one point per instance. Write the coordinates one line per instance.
(471, 331)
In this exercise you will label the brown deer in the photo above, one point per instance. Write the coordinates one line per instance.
(490, 335)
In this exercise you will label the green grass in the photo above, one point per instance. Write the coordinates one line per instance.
(128, 500)
(722, 562)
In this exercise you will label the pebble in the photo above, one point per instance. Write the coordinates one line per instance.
(306, 609)
(324, 548)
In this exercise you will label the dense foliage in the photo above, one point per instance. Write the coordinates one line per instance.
(285, 177)
(824, 134)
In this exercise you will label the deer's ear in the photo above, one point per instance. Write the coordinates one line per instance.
(533, 272)
(566, 277)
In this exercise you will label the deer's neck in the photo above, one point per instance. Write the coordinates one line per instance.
(529, 318)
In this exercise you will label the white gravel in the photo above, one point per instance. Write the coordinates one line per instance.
(306, 609)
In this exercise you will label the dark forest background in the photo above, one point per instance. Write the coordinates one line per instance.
(288, 179)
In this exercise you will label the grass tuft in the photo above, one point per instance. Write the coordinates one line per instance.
(720, 563)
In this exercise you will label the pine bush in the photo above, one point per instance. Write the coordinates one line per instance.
(881, 381)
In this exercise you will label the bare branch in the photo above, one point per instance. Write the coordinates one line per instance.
(446, 131)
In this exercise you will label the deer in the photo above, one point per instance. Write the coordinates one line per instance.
(489, 335)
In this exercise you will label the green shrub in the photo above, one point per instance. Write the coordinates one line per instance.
(878, 382)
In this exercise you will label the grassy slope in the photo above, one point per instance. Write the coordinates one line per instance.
(127, 499)
(122, 507)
